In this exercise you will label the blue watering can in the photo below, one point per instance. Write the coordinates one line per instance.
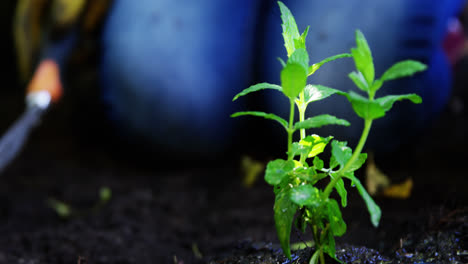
(169, 69)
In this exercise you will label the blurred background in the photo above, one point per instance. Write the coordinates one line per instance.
(155, 79)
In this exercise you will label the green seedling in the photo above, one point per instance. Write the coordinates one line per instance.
(66, 211)
(298, 200)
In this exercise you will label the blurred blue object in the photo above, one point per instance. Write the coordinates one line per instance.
(169, 69)
(395, 30)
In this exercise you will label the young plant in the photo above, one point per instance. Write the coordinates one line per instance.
(297, 199)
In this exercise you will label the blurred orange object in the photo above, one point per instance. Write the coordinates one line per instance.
(47, 78)
(399, 191)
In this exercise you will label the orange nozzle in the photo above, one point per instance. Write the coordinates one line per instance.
(47, 78)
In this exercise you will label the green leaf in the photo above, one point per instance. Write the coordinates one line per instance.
(359, 80)
(403, 69)
(330, 249)
(373, 109)
(293, 79)
(278, 169)
(290, 31)
(337, 225)
(358, 162)
(329, 245)
(363, 58)
(305, 195)
(372, 207)
(282, 62)
(340, 188)
(315, 143)
(301, 57)
(314, 93)
(302, 245)
(387, 102)
(314, 67)
(376, 86)
(341, 152)
(319, 121)
(264, 115)
(315, 257)
(299, 149)
(258, 87)
(300, 42)
(318, 163)
(333, 162)
(62, 209)
(364, 107)
(306, 174)
(318, 177)
(284, 211)
(105, 194)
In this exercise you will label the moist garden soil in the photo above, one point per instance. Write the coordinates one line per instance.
(163, 212)
(198, 211)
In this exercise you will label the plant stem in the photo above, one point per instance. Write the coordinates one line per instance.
(290, 128)
(322, 257)
(357, 152)
(302, 107)
(301, 118)
(318, 245)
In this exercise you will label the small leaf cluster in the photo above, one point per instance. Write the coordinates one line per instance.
(298, 200)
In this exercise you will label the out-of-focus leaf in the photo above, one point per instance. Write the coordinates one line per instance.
(282, 62)
(105, 194)
(302, 245)
(251, 170)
